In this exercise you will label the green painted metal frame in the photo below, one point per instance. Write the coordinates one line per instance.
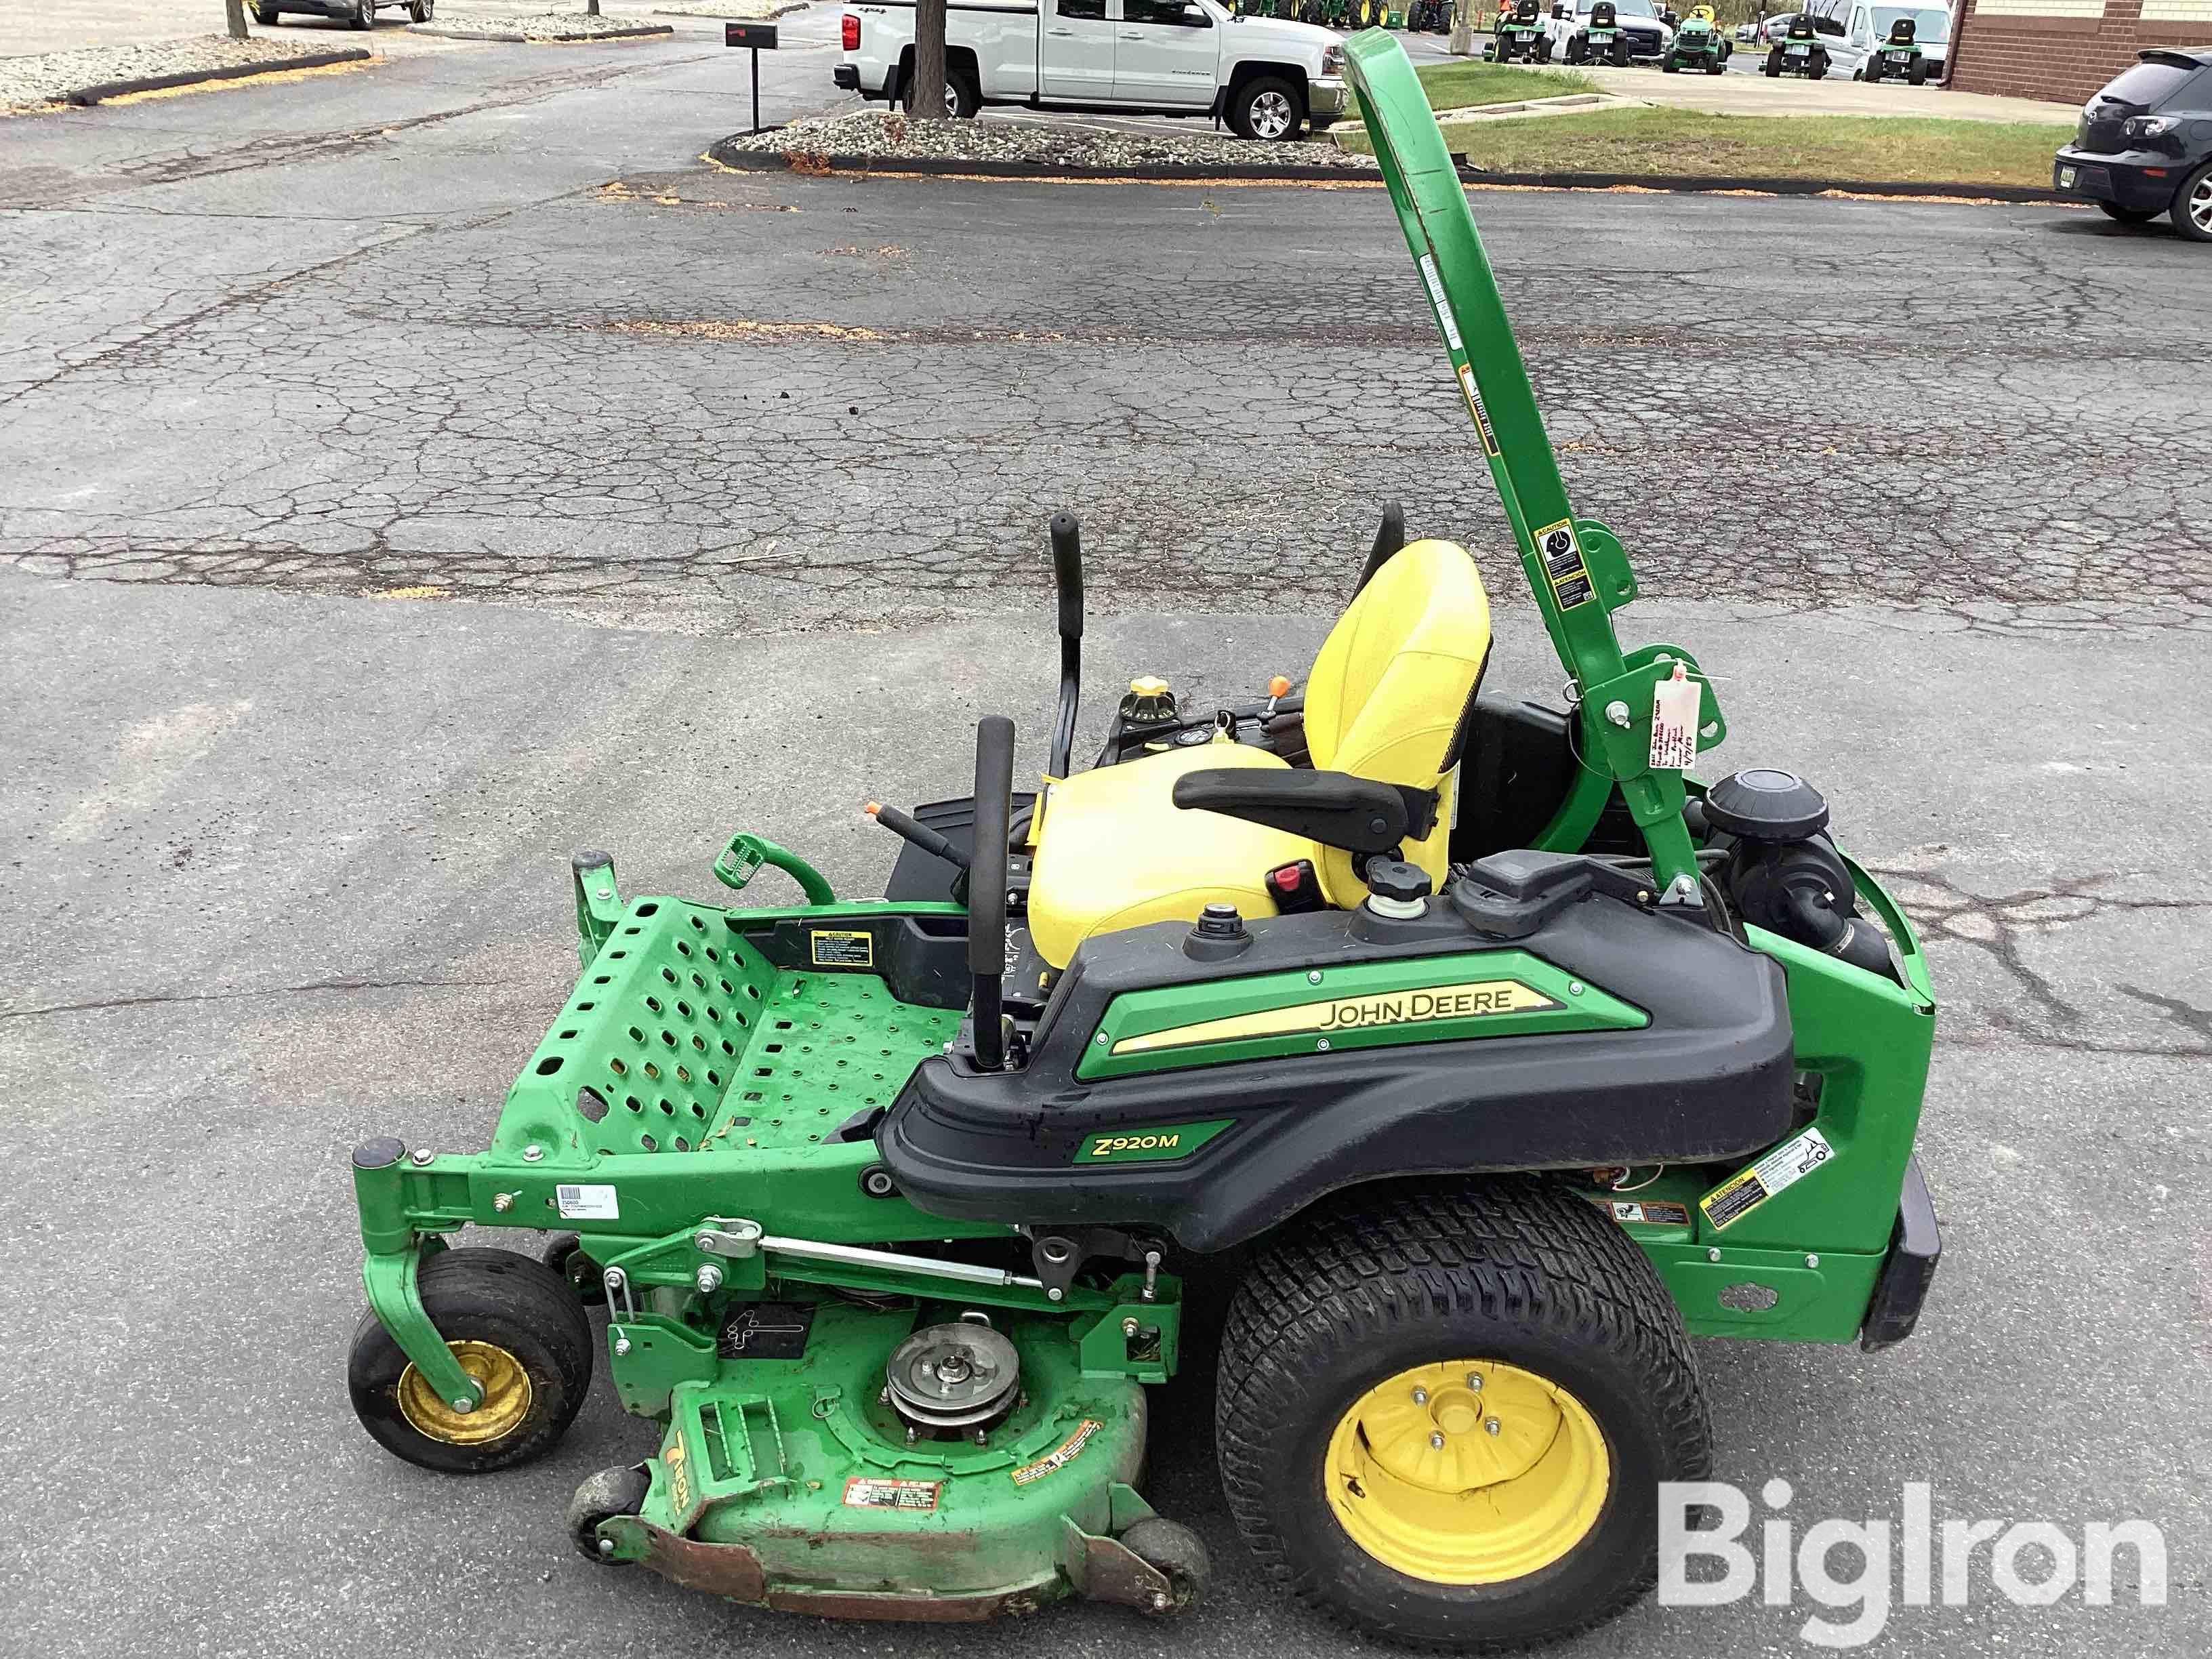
(1576, 568)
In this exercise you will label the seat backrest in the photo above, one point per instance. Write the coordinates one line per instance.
(1389, 692)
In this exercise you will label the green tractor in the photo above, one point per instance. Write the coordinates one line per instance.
(1898, 57)
(1700, 45)
(1799, 51)
(1470, 1052)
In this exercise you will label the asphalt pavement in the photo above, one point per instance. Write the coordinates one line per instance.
(408, 476)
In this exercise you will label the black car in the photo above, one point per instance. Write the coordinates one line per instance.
(2144, 146)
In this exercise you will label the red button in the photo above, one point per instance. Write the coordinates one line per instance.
(1287, 877)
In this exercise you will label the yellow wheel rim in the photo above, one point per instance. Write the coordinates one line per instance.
(1420, 1478)
(506, 1388)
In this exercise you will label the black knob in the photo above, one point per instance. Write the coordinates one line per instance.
(1763, 804)
(379, 1154)
(1220, 921)
(1392, 879)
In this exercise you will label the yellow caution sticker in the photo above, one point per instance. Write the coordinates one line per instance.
(1061, 1455)
(1561, 551)
(840, 947)
(1780, 1169)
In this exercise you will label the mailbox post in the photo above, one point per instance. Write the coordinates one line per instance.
(759, 38)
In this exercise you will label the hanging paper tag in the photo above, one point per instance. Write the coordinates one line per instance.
(1674, 722)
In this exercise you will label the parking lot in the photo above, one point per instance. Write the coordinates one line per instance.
(417, 475)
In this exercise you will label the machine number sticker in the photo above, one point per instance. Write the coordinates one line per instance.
(1061, 1455)
(1781, 1169)
(679, 1477)
(864, 1492)
(1562, 554)
(1165, 1142)
(840, 948)
(586, 1203)
(1437, 299)
(1675, 704)
(1474, 407)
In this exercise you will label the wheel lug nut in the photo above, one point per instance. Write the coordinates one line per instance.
(1437, 1442)
(1492, 1425)
(1475, 1380)
(1421, 1396)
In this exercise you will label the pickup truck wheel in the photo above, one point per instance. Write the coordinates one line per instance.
(962, 100)
(1266, 108)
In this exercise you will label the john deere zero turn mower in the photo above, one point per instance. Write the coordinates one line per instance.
(1699, 45)
(1478, 1055)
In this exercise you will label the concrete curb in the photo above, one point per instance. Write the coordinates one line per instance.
(106, 89)
(515, 37)
(756, 160)
(753, 160)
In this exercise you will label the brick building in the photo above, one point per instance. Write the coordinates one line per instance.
(2064, 49)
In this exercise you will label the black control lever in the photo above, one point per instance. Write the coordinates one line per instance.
(987, 887)
(920, 833)
(1067, 581)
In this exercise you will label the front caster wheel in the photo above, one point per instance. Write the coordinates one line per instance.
(1175, 1551)
(605, 1495)
(516, 1328)
(1444, 1414)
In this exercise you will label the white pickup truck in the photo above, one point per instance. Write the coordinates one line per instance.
(1266, 77)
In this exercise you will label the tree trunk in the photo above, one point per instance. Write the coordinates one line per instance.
(234, 13)
(924, 93)
(591, 7)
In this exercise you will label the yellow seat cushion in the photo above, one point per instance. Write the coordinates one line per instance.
(1390, 687)
(1115, 851)
(1388, 691)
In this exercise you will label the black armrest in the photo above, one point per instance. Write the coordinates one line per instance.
(1333, 808)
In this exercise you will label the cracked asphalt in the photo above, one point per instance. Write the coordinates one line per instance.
(408, 476)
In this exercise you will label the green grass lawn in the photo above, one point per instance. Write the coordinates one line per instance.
(1457, 86)
(1888, 149)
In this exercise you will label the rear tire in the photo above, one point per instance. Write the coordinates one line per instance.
(420, 11)
(1918, 74)
(268, 19)
(1621, 51)
(364, 14)
(517, 1328)
(1819, 69)
(961, 98)
(2192, 205)
(1340, 1315)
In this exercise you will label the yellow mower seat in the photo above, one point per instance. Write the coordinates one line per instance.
(1386, 700)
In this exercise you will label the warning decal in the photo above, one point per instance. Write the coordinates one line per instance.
(1437, 299)
(865, 1492)
(1061, 1455)
(1651, 1212)
(840, 948)
(1474, 408)
(1560, 550)
(1781, 1169)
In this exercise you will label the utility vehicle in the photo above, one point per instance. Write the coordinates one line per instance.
(1474, 1055)
(1520, 34)
(1897, 57)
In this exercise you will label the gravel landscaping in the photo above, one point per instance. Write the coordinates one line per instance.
(538, 26)
(50, 77)
(890, 136)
